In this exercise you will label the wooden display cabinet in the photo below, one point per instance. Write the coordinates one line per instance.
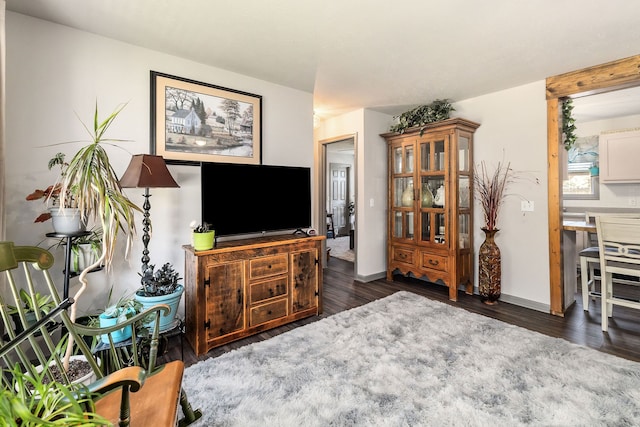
(430, 204)
(243, 287)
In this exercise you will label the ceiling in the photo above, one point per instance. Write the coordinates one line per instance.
(377, 54)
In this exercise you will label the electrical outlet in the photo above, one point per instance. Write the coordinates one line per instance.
(633, 202)
(526, 206)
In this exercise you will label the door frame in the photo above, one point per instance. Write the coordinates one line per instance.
(602, 78)
(324, 166)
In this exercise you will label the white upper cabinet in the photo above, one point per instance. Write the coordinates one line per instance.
(620, 157)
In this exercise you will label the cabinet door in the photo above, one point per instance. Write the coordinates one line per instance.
(432, 170)
(304, 280)
(619, 152)
(225, 298)
(465, 187)
(402, 191)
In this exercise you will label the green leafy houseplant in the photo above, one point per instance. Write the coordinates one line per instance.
(49, 404)
(99, 197)
(41, 303)
(53, 195)
(421, 116)
(44, 303)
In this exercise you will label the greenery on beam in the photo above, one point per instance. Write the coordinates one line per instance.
(568, 124)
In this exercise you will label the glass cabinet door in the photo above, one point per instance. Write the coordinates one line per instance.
(403, 193)
(465, 196)
(432, 170)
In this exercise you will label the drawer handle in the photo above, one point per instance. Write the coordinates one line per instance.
(269, 312)
(401, 255)
(269, 266)
(239, 296)
(433, 262)
(270, 291)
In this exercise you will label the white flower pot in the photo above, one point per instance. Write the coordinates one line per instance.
(66, 220)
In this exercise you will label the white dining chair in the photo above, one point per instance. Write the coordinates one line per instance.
(590, 260)
(619, 247)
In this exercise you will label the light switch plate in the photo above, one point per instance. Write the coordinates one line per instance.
(526, 206)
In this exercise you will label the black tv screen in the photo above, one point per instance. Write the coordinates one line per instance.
(248, 199)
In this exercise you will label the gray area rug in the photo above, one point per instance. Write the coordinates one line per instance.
(405, 360)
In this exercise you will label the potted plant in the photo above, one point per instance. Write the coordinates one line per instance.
(62, 206)
(99, 197)
(41, 303)
(85, 249)
(202, 237)
(125, 308)
(23, 403)
(161, 286)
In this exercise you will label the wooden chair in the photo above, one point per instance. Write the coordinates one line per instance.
(619, 246)
(590, 261)
(156, 390)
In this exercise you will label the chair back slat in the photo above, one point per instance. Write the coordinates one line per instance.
(619, 242)
(29, 296)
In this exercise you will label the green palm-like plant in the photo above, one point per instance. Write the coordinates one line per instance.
(99, 197)
(51, 404)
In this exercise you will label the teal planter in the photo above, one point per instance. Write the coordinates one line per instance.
(172, 300)
(117, 336)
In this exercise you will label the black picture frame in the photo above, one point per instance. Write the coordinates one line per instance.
(194, 122)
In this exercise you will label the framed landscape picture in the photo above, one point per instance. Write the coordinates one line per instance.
(193, 122)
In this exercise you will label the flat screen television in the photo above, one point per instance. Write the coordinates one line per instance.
(248, 199)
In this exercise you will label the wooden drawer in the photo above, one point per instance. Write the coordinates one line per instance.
(266, 312)
(403, 255)
(434, 262)
(269, 289)
(268, 266)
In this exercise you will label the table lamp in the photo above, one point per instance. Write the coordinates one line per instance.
(147, 171)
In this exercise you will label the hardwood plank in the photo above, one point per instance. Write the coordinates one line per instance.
(341, 293)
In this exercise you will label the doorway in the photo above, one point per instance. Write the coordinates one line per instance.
(338, 198)
(593, 80)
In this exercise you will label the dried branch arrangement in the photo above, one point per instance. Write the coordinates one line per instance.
(490, 190)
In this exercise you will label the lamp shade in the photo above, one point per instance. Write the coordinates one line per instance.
(147, 171)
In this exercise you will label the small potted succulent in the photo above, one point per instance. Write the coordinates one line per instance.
(203, 238)
(161, 286)
(122, 310)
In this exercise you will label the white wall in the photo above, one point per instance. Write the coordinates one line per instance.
(512, 129)
(54, 71)
(371, 178)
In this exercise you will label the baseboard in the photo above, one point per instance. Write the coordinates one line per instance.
(533, 305)
(371, 277)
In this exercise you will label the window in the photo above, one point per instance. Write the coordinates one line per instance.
(580, 177)
(580, 184)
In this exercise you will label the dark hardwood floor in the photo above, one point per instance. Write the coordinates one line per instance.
(341, 293)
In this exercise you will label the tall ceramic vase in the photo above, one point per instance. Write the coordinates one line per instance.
(490, 269)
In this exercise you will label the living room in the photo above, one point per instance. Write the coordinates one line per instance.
(55, 75)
